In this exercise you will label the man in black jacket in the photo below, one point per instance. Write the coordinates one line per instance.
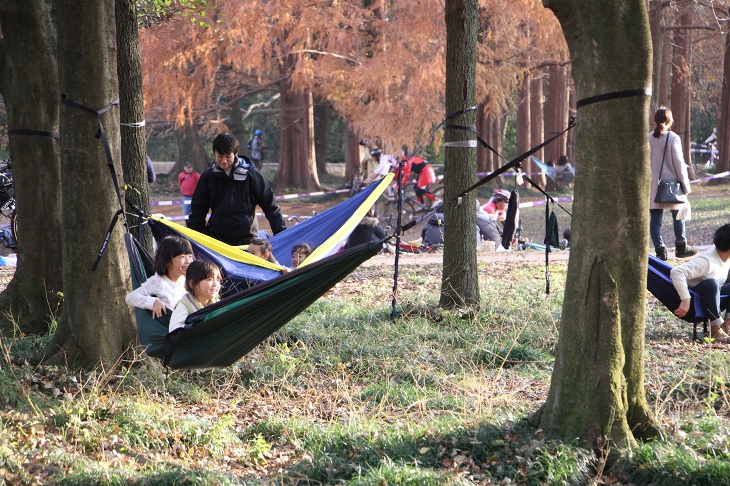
(231, 190)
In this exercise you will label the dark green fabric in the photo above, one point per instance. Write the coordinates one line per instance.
(221, 334)
(552, 238)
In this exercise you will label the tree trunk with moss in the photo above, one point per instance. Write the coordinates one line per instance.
(96, 325)
(29, 85)
(459, 282)
(597, 388)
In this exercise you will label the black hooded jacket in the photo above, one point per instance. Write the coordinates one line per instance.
(232, 199)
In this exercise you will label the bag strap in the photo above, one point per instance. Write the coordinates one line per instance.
(664, 154)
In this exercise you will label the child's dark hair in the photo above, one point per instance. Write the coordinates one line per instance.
(263, 243)
(303, 247)
(721, 240)
(566, 234)
(661, 116)
(169, 248)
(225, 143)
(198, 271)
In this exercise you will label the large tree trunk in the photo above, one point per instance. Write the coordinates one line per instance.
(459, 283)
(96, 325)
(29, 85)
(355, 154)
(723, 131)
(131, 113)
(681, 86)
(297, 167)
(235, 124)
(597, 387)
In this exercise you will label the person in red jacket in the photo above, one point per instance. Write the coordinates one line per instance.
(425, 175)
(187, 180)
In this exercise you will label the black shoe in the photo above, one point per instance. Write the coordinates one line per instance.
(661, 252)
(683, 250)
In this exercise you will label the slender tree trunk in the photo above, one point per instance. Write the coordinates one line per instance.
(190, 148)
(658, 29)
(681, 86)
(537, 127)
(236, 126)
(597, 387)
(96, 325)
(723, 130)
(484, 155)
(665, 78)
(297, 167)
(354, 154)
(30, 92)
(523, 117)
(131, 110)
(557, 112)
(320, 136)
(459, 283)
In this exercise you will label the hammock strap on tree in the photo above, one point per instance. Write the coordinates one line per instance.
(515, 163)
(101, 133)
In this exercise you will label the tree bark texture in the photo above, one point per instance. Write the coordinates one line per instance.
(297, 163)
(96, 325)
(459, 283)
(523, 117)
(29, 85)
(483, 126)
(557, 111)
(132, 116)
(597, 387)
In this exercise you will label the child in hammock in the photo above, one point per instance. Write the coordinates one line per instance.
(165, 288)
(299, 253)
(261, 248)
(202, 283)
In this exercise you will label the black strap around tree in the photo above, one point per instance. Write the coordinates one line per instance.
(612, 96)
(101, 133)
(40, 133)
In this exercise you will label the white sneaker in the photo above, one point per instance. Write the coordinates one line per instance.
(436, 203)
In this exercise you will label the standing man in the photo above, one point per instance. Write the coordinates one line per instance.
(256, 148)
(187, 180)
(231, 190)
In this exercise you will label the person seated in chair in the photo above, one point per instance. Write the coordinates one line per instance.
(707, 274)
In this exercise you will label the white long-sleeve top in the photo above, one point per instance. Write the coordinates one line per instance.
(706, 265)
(156, 287)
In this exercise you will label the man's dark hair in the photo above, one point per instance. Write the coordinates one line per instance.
(721, 240)
(169, 248)
(198, 271)
(225, 143)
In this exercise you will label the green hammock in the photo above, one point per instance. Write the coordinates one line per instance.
(222, 333)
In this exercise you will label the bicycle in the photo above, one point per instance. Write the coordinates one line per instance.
(387, 205)
(7, 200)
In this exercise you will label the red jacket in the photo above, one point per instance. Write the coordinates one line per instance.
(188, 182)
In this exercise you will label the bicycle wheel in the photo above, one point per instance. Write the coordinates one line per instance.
(386, 211)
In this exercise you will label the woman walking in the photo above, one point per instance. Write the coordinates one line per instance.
(667, 162)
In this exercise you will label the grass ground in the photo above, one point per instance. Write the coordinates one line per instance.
(345, 395)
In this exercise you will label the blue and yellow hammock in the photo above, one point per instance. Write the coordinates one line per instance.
(659, 283)
(222, 333)
(325, 232)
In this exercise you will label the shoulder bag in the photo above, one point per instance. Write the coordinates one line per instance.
(668, 190)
